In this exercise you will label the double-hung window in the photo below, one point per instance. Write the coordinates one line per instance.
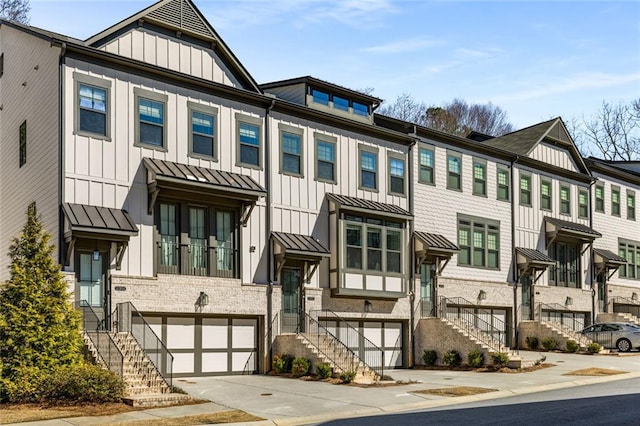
(479, 242)
(373, 244)
(599, 195)
(291, 151)
(368, 169)
(631, 205)
(396, 175)
(565, 200)
(503, 184)
(525, 189)
(629, 250)
(202, 130)
(150, 118)
(92, 109)
(583, 204)
(326, 158)
(615, 201)
(479, 177)
(249, 141)
(545, 195)
(426, 154)
(23, 143)
(454, 171)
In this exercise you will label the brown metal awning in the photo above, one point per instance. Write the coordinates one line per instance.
(530, 261)
(298, 248)
(555, 228)
(366, 206)
(435, 247)
(607, 260)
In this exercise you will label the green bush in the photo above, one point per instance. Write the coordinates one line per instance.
(452, 358)
(475, 359)
(429, 357)
(300, 367)
(282, 363)
(347, 376)
(500, 359)
(594, 348)
(549, 344)
(25, 385)
(324, 370)
(572, 346)
(532, 342)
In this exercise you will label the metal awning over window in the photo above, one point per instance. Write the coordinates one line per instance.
(531, 261)
(368, 207)
(555, 228)
(298, 248)
(97, 223)
(201, 180)
(606, 260)
(433, 246)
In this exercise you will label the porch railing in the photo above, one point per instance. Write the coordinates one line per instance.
(368, 352)
(107, 352)
(197, 260)
(132, 321)
(561, 315)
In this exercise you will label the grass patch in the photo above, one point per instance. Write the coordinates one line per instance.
(455, 391)
(593, 371)
(19, 413)
(231, 416)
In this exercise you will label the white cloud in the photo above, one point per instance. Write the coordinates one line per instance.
(402, 46)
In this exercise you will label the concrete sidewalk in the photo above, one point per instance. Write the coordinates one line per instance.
(284, 401)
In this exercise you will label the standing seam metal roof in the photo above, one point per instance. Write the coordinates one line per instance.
(300, 243)
(436, 241)
(534, 255)
(99, 218)
(572, 226)
(373, 206)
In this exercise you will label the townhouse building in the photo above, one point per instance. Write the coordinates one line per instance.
(227, 213)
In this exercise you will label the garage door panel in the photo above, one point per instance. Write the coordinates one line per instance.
(183, 363)
(181, 333)
(373, 332)
(243, 334)
(215, 333)
(240, 359)
(215, 362)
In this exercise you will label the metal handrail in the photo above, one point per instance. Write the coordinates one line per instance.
(555, 307)
(626, 305)
(568, 331)
(107, 351)
(475, 326)
(147, 339)
(206, 264)
(625, 300)
(252, 356)
(365, 345)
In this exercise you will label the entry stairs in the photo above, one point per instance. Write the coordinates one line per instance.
(561, 333)
(619, 317)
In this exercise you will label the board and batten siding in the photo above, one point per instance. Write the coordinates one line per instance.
(554, 155)
(436, 208)
(29, 88)
(110, 173)
(158, 49)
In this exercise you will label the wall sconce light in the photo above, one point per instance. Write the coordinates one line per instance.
(252, 249)
(568, 301)
(482, 295)
(203, 300)
(96, 255)
(367, 306)
(634, 296)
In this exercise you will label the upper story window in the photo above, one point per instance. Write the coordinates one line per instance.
(631, 205)
(291, 151)
(479, 177)
(202, 135)
(599, 198)
(368, 169)
(151, 118)
(503, 184)
(249, 141)
(426, 158)
(340, 103)
(615, 201)
(23, 143)
(360, 109)
(479, 241)
(630, 250)
(320, 97)
(454, 171)
(373, 245)
(92, 106)
(545, 195)
(566, 271)
(326, 158)
(583, 204)
(525, 189)
(396, 175)
(565, 200)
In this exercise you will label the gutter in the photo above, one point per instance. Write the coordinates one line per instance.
(592, 266)
(412, 283)
(269, 218)
(61, 165)
(514, 264)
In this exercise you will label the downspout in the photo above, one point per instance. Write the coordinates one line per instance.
(412, 284)
(591, 265)
(268, 216)
(514, 265)
(61, 167)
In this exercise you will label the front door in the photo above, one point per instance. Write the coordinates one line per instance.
(602, 292)
(92, 283)
(527, 298)
(292, 308)
(427, 290)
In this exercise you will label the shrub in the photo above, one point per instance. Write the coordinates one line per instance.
(572, 346)
(594, 348)
(23, 386)
(429, 357)
(475, 359)
(532, 342)
(282, 363)
(500, 359)
(347, 376)
(452, 358)
(300, 367)
(549, 344)
(324, 370)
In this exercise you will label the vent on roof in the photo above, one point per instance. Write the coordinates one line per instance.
(181, 14)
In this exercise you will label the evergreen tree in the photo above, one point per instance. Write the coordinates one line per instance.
(38, 326)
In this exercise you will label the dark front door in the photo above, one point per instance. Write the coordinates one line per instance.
(292, 308)
(92, 282)
(427, 290)
(527, 298)
(602, 292)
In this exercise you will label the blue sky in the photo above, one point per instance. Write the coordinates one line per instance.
(535, 60)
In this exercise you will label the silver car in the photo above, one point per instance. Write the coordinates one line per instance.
(614, 335)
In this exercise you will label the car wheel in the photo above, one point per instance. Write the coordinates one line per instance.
(623, 345)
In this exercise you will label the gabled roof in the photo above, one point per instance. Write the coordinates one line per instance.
(183, 17)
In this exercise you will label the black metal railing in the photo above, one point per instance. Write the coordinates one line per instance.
(626, 305)
(495, 334)
(250, 365)
(107, 352)
(131, 321)
(369, 353)
(427, 308)
(197, 259)
(561, 315)
(290, 322)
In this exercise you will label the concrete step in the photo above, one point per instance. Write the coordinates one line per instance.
(157, 399)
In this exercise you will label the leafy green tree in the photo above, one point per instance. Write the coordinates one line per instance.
(38, 326)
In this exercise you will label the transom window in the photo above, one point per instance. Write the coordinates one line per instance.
(565, 200)
(630, 250)
(326, 161)
(615, 201)
(503, 184)
(396, 175)
(291, 153)
(341, 103)
(249, 140)
(525, 190)
(92, 109)
(631, 206)
(583, 204)
(454, 170)
(320, 97)
(203, 134)
(368, 169)
(566, 271)
(545, 195)
(478, 240)
(373, 244)
(479, 178)
(599, 198)
(360, 109)
(426, 174)
(151, 121)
